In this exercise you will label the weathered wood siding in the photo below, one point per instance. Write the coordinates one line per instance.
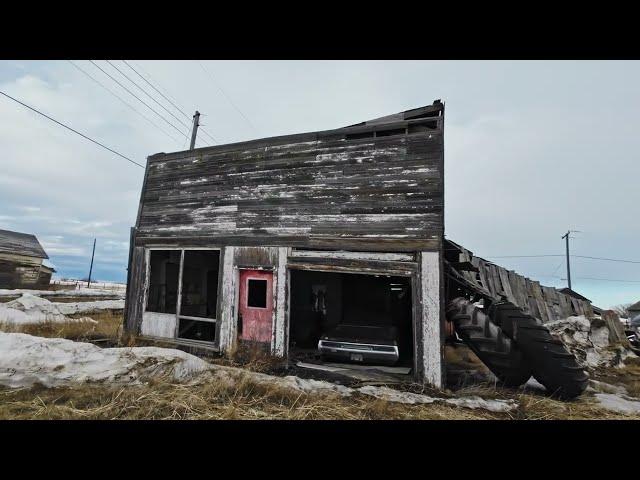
(317, 190)
(544, 303)
(135, 297)
(19, 271)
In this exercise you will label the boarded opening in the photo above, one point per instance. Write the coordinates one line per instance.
(423, 126)
(388, 133)
(357, 136)
(360, 319)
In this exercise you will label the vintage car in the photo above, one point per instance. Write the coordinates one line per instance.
(361, 344)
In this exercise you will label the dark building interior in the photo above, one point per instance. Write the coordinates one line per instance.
(320, 301)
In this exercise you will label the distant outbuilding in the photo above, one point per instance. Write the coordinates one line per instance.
(634, 310)
(21, 257)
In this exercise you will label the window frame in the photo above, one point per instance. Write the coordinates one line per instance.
(177, 315)
(266, 293)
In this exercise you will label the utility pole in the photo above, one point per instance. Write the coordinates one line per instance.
(91, 267)
(196, 120)
(566, 236)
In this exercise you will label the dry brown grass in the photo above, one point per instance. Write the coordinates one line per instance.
(109, 327)
(248, 399)
(252, 356)
(245, 399)
(627, 376)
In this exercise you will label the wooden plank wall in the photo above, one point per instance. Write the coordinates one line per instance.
(545, 303)
(19, 271)
(318, 190)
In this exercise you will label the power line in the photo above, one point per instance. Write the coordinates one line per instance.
(73, 130)
(138, 98)
(608, 279)
(151, 85)
(589, 278)
(522, 256)
(575, 256)
(607, 259)
(124, 101)
(167, 99)
(226, 96)
(147, 94)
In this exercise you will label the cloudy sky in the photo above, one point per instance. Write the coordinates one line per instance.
(532, 149)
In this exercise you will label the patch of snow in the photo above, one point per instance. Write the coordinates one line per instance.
(588, 340)
(315, 386)
(310, 386)
(89, 292)
(473, 402)
(618, 403)
(533, 384)
(597, 386)
(30, 309)
(83, 307)
(33, 309)
(26, 360)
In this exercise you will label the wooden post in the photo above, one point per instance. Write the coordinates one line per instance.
(91, 267)
(566, 236)
(196, 120)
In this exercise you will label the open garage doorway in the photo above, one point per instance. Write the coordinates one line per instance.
(351, 321)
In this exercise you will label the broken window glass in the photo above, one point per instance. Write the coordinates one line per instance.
(200, 283)
(163, 281)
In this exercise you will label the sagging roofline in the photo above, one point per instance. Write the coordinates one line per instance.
(430, 113)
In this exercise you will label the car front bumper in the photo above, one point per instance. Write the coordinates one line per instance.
(359, 352)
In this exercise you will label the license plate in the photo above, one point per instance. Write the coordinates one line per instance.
(356, 357)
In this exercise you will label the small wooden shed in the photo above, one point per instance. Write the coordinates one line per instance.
(21, 257)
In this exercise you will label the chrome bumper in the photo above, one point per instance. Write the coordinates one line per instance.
(330, 347)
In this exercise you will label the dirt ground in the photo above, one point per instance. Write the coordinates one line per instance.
(163, 399)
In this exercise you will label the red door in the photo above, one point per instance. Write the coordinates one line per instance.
(255, 313)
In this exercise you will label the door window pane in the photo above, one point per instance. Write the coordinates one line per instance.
(257, 293)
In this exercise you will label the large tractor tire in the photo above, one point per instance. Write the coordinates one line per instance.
(489, 343)
(553, 366)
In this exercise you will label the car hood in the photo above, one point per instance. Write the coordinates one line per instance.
(362, 334)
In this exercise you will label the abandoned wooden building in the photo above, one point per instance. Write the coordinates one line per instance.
(21, 257)
(282, 240)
